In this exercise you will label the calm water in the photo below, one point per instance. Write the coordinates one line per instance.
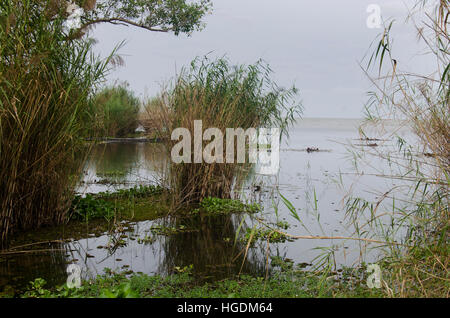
(314, 182)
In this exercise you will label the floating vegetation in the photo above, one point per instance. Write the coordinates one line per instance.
(217, 206)
(284, 225)
(147, 239)
(287, 281)
(91, 207)
(168, 230)
(284, 264)
(270, 235)
(105, 204)
(137, 191)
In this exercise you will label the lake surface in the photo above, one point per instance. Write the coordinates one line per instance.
(315, 182)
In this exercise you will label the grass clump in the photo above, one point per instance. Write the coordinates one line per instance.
(139, 202)
(265, 235)
(91, 207)
(217, 206)
(218, 94)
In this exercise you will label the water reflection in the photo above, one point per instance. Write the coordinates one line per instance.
(206, 243)
(123, 165)
(16, 270)
(312, 182)
(210, 247)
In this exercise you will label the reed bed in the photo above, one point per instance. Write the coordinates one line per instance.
(45, 85)
(221, 96)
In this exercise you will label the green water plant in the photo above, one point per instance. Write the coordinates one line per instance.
(217, 206)
(89, 207)
(109, 205)
(286, 282)
(218, 93)
(265, 235)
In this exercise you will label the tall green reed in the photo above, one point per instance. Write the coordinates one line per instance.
(45, 84)
(222, 96)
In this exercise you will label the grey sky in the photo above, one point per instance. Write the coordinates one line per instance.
(315, 45)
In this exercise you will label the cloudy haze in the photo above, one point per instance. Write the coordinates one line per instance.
(315, 45)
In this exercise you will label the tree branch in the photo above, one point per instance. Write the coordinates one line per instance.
(122, 21)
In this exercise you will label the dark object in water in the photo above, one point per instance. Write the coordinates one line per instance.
(308, 150)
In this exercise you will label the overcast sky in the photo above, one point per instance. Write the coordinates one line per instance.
(315, 45)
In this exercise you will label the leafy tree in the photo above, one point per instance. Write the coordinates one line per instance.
(177, 16)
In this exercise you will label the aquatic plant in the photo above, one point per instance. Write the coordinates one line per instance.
(90, 207)
(110, 204)
(222, 96)
(216, 206)
(420, 219)
(45, 82)
(287, 282)
(37, 289)
(265, 235)
(121, 291)
(139, 191)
